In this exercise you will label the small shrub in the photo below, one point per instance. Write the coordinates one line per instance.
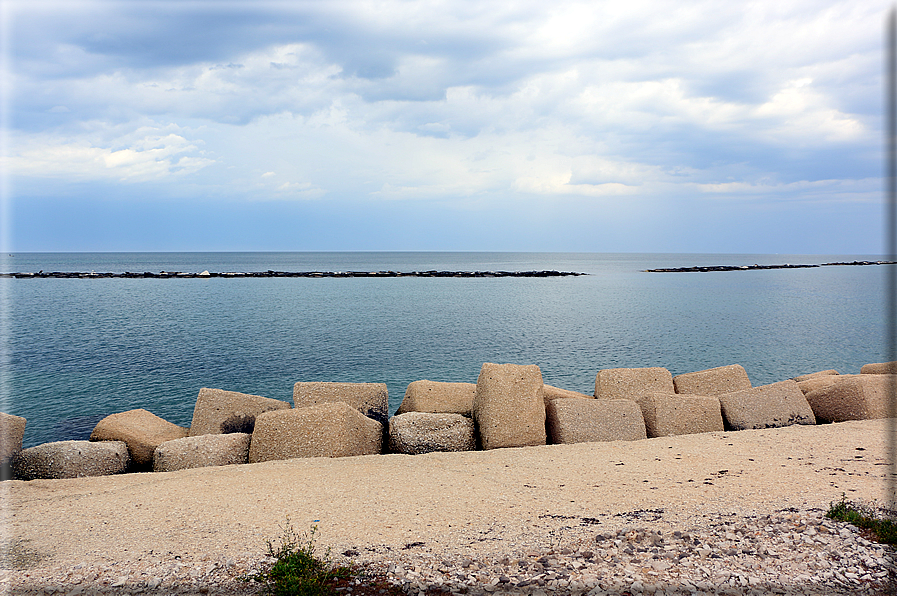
(297, 569)
(865, 517)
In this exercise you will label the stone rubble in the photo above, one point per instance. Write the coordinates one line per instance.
(788, 552)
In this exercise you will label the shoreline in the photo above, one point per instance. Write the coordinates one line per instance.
(423, 511)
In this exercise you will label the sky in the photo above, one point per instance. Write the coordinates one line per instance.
(636, 126)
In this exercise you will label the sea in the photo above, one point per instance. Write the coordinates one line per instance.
(76, 350)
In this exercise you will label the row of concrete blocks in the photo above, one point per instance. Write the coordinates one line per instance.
(509, 406)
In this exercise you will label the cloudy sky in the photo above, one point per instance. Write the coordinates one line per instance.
(620, 126)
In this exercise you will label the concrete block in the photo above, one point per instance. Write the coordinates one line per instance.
(713, 381)
(668, 414)
(879, 368)
(221, 412)
(333, 429)
(854, 397)
(414, 433)
(768, 406)
(509, 409)
(816, 375)
(371, 399)
(593, 420)
(438, 397)
(143, 431)
(202, 451)
(628, 383)
(71, 459)
(12, 431)
(549, 393)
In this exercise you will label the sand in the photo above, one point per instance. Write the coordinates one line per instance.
(500, 501)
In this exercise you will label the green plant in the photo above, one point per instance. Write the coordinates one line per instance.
(297, 569)
(864, 516)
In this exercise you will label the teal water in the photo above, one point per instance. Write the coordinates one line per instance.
(75, 350)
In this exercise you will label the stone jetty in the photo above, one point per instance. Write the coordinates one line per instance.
(756, 267)
(508, 406)
(272, 273)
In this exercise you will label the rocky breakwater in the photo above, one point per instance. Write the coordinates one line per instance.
(508, 406)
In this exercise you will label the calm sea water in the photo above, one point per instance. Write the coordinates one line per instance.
(75, 350)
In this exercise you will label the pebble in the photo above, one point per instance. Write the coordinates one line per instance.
(789, 552)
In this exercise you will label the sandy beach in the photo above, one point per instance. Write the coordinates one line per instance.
(447, 506)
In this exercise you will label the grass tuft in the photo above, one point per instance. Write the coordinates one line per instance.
(865, 517)
(298, 570)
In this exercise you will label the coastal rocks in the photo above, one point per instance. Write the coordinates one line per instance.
(853, 397)
(438, 397)
(879, 368)
(509, 409)
(71, 459)
(220, 412)
(550, 393)
(143, 431)
(202, 451)
(371, 399)
(628, 383)
(12, 430)
(333, 429)
(768, 406)
(586, 420)
(670, 414)
(414, 433)
(713, 381)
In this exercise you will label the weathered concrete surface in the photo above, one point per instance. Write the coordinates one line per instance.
(669, 414)
(71, 459)
(438, 397)
(854, 397)
(593, 420)
(509, 409)
(415, 433)
(549, 392)
(333, 429)
(713, 381)
(220, 412)
(628, 383)
(12, 430)
(371, 399)
(768, 406)
(202, 451)
(816, 375)
(142, 430)
(879, 368)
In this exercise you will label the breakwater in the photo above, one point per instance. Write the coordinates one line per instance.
(271, 273)
(756, 267)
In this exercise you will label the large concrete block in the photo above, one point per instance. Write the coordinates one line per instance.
(71, 459)
(879, 368)
(438, 397)
(12, 431)
(592, 420)
(669, 414)
(201, 452)
(143, 431)
(220, 412)
(816, 375)
(549, 392)
(713, 381)
(628, 383)
(509, 409)
(815, 383)
(371, 399)
(333, 429)
(424, 432)
(854, 397)
(768, 406)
